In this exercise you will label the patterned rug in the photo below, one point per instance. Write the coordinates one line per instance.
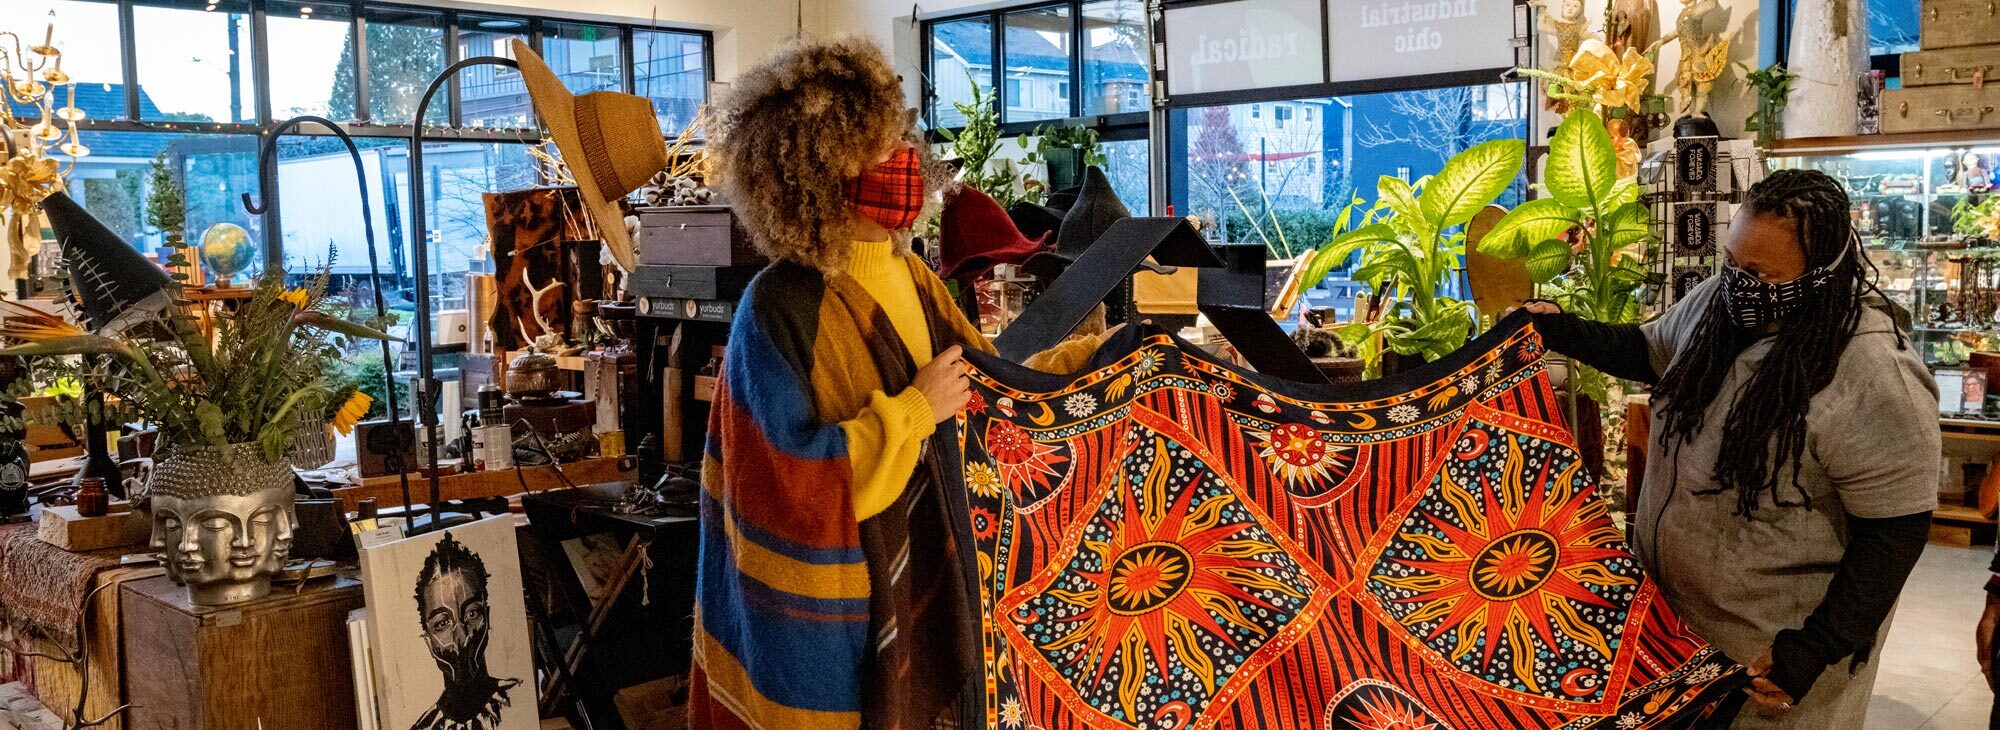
(1168, 542)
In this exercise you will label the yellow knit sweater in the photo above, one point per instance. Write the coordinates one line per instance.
(885, 440)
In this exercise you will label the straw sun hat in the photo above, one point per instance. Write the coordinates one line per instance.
(610, 140)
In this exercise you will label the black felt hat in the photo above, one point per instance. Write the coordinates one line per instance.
(1035, 221)
(1097, 207)
(115, 285)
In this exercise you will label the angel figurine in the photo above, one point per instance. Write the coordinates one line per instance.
(1566, 29)
(1704, 55)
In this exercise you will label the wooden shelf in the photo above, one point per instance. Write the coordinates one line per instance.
(1864, 142)
(387, 491)
(1959, 514)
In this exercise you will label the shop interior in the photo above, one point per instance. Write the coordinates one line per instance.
(309, 304)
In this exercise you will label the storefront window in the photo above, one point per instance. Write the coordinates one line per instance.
(195, 64)
(585, 57)
(1306, 158)
(1114, 57)
(1892, 26)
(1128, 165)
(961, 56)
(318, 43)
(1037, 56)
(112, 183)
(405, 51)
(672, 70)
(492, 96)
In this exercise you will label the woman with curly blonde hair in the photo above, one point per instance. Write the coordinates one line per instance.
(832, 593)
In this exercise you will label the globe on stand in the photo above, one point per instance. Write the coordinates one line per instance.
(227, 250)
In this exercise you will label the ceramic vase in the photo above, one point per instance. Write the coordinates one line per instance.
(222, 521)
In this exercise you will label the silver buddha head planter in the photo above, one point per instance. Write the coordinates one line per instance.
(222, 522)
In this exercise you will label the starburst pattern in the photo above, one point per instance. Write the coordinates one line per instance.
(1173, 587)
(1469, 384)
(1509, 572)
(1023, 462)
(1148, 362)
(1079, 405)
(1297, 453)
(982, 479)
(1404, 413)
(1221, 390)
(1630, 720)
(1010, 713)
(1388, 712)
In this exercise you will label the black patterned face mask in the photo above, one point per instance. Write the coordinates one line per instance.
(1754, 302)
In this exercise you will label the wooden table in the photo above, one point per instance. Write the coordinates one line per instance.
(387, 490)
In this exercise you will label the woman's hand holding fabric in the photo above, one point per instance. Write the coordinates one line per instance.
(944, 383)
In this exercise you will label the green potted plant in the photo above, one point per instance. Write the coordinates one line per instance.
(1585, 246)
(1774, 89)
(1065, 151)
(976, 144)
(227, 406)
(1410, 244)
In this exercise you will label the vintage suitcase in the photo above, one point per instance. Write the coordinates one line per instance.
(278, 661)
(1941, 108)
(694, 236)
(1968, 65)
(1956, 23)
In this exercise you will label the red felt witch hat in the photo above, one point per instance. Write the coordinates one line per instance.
(975, 234)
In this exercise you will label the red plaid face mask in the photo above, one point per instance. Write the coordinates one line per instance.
(891, 193)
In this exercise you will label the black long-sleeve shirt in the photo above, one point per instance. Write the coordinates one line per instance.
(1877, 561)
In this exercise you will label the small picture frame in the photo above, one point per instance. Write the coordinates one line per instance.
(1975, 389)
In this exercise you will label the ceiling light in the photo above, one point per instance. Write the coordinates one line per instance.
(500, 24)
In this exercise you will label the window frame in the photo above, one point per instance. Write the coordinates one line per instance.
(366, 125)
(358, 9)
(996, 17)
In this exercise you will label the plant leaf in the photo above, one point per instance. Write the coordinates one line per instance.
(1547, 260)
(72, 345)
(1535, 221)
(1627, 225)
(1471, 180)
(1582, 168)
(1396, 194)
(330, 323)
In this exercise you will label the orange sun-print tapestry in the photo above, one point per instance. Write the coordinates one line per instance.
(1167, 541)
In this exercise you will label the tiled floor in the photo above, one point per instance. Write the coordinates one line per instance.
(1929, 678)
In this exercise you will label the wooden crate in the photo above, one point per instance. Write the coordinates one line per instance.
(1956, 23)
(281, 661)
(1940, 108)
(57, 684)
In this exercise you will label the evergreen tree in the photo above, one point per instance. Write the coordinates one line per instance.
(402, 60)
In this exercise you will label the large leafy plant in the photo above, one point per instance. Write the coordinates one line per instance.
(1410, 243)
(271, 361)
(1584, 244)
(975, 145)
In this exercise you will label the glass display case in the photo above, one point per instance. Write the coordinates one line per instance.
(1912, 202)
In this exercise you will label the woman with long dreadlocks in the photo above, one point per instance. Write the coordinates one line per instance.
(1793, 465)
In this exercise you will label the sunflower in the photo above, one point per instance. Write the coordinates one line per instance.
(352, 412)
(297, 297)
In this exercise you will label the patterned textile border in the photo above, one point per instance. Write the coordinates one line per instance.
(1167, 541)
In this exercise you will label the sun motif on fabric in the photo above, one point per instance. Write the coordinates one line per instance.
(1297, 453)
(982, 479)
(1173, 586)
(1022, 461)
(1387, 712)
(1510, 574)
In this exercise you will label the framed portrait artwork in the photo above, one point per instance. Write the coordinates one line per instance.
(448, 627)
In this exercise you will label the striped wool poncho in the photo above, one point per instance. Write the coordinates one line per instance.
(807, 614)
